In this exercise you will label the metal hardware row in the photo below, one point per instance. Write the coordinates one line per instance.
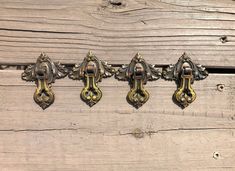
(92, 70)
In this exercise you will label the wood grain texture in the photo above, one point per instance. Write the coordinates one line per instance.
(210, 101)
(112, 135)
(161, 30)
(77, 151)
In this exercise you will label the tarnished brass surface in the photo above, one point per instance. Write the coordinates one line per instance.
(91, 71)
(185, 93)
(184, 72)
(138, 72)
(44, 73)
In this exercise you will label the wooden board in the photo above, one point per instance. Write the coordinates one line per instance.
(112, 135)
(161, 30)
(210, 102)
(74, 150)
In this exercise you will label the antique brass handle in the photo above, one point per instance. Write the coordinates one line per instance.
(184, 72)
(138, 72)
(43, 95)
(91, 71)
(138, 94)
(44, 73)
(185, 93)
(91, 91)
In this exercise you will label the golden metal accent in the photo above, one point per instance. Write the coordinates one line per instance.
(184, 72)
(185, 93)
(44, 73)
(91, 71)
(138, 72)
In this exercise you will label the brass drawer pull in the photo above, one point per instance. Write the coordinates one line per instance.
(137, 73)
(44, 73)
(184, 72)
(91, 71)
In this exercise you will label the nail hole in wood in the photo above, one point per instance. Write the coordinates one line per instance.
(220, 87)
(216, 155)
(224, 39)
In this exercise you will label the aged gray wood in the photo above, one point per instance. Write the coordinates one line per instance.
(112, 135)
(77, 151)
(210, 101)
(161, 30)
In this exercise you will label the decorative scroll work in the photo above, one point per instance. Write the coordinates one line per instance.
(91, 71)
(184, 72)
(44, 73)
(137, 73)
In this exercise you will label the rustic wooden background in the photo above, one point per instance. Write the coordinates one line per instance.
(112, 135)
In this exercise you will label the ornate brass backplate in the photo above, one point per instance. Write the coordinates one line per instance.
(91, 71)
(138, 72)
(184, 72)
(44, 73)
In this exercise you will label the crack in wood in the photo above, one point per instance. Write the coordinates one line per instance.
(134, 133)
(39, 130)
(149, 133)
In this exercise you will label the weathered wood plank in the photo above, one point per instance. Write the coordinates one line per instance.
(113, 115)
(75, 150)
(210, 101)
(112, 135)
(160, 30)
